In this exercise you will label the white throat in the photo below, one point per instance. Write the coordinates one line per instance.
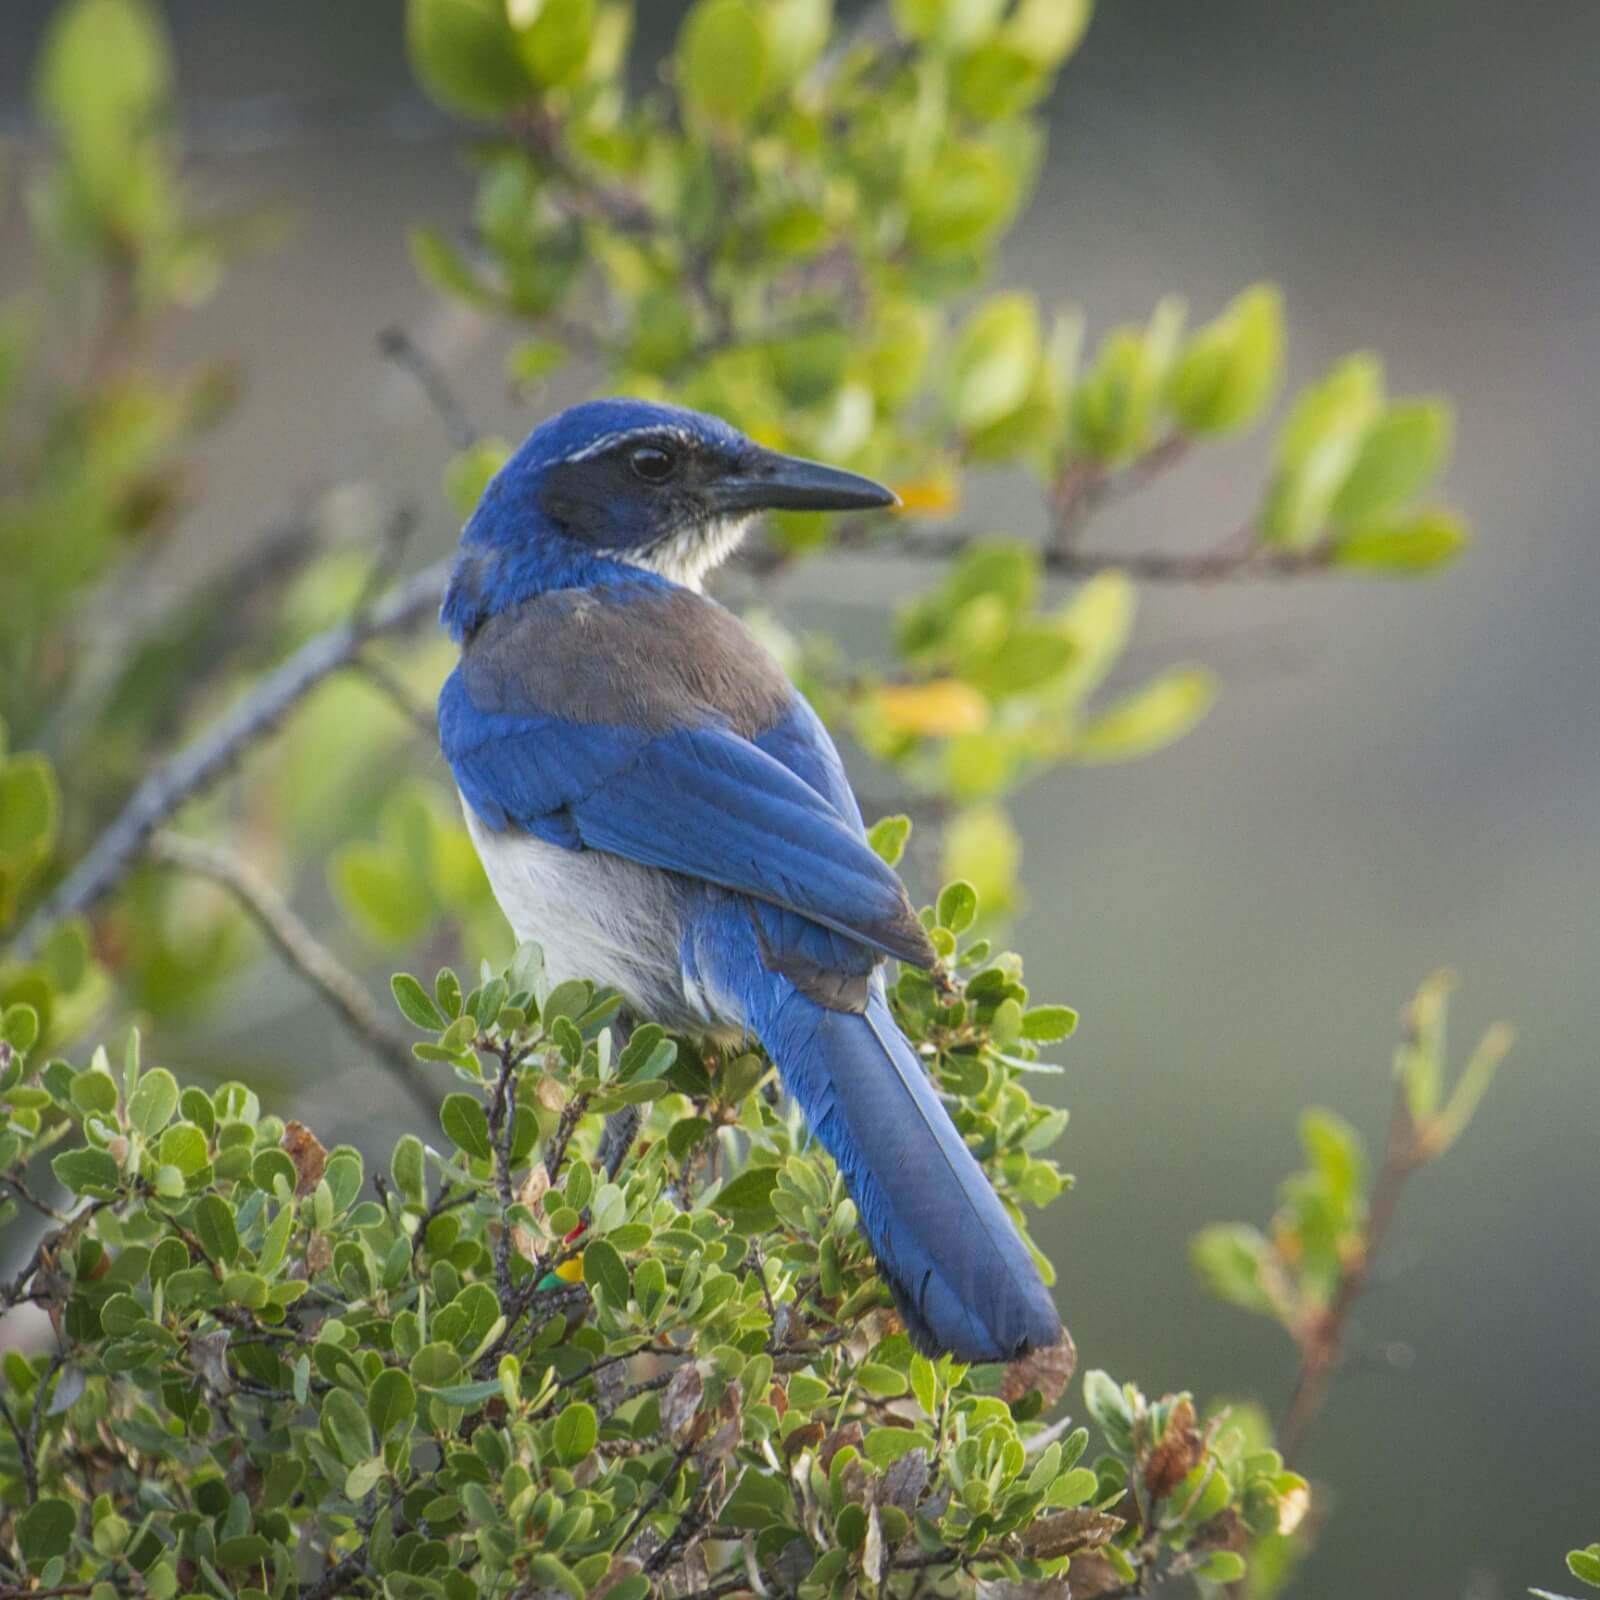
(687, 557)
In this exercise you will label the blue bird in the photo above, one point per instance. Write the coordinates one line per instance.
(659, 808)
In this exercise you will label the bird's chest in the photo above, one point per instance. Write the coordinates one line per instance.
(595, 916)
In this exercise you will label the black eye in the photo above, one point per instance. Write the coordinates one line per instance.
(652, 463)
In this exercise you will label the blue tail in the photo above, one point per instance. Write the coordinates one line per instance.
(960, 1274)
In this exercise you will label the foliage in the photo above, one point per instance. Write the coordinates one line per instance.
(523, 1360)
(534, 1355)
(1582, 1564)
(1322, 1234)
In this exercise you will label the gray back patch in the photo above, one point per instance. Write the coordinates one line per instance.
(662, 661)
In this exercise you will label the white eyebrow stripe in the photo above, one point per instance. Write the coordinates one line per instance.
(607, 441)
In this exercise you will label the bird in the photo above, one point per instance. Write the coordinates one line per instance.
(658, 807)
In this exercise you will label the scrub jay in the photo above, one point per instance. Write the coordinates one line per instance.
(658, 807)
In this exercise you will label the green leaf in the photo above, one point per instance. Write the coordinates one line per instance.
(576, 1430)
(45, 1530)
(465, 54)
(797, 31)
(881, 1381)
(1400, 454)
(30, 807)
(1318, 448)
(1114, 405)
(554, 44)
(215, 1227)
(605, 1273)
(1165, 709)
(1221, 1566)
(243, 1550)
(746, 1200)
(408, 1168)
(553, 1574)
(92, 1090)
(948, 24)
(958, 906)
(1230, 369)
(993, 361)
(1108, 1406)
(391, 1400)
(723, 63)
(467, 1394)
(1413, 544)
(1333, 1148)
(345, 1427)
(86, 1171)
(463, 1120)
(1234, 1262)
(416, 1004)
(1048, 31)
(888, 837)
(1072, 1488)
(1585, 1564)
(884, 1446)
(647, 1054)
(105, 73)
(1046, 1024)
(152, 1103)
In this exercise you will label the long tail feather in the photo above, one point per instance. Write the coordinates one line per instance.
(960, 1274)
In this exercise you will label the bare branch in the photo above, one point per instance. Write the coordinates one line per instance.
(302, 950)
(1241, 557)
(209, 756)
(389, 684)
(399, 347)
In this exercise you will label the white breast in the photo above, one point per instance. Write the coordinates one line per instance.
(595, 916)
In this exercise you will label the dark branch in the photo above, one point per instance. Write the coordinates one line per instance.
(1239, 558)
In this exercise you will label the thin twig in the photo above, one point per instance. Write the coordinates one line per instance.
(30, 1474)
(1241, 557)
(204, 761)
(571, 1116)
(399, 346)
(25, 1194)
(502, 1127)
(336, 1579)
(396, 692)
(443, 1201)
(1083, 487)
(657, 1495)
(302, 950)
(36, 1424)
(1322, 1341)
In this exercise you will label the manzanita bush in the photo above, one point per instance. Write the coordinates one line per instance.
(615, 1332)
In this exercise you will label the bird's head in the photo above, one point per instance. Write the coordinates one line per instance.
(649, 486)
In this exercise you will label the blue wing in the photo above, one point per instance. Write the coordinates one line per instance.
(700, 800)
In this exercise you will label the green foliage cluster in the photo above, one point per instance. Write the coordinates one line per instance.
(1322, 1231)
(528, 1357)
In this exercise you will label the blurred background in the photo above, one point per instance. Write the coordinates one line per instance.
(1396, 776)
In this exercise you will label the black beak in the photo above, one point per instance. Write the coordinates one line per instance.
(767, 481)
